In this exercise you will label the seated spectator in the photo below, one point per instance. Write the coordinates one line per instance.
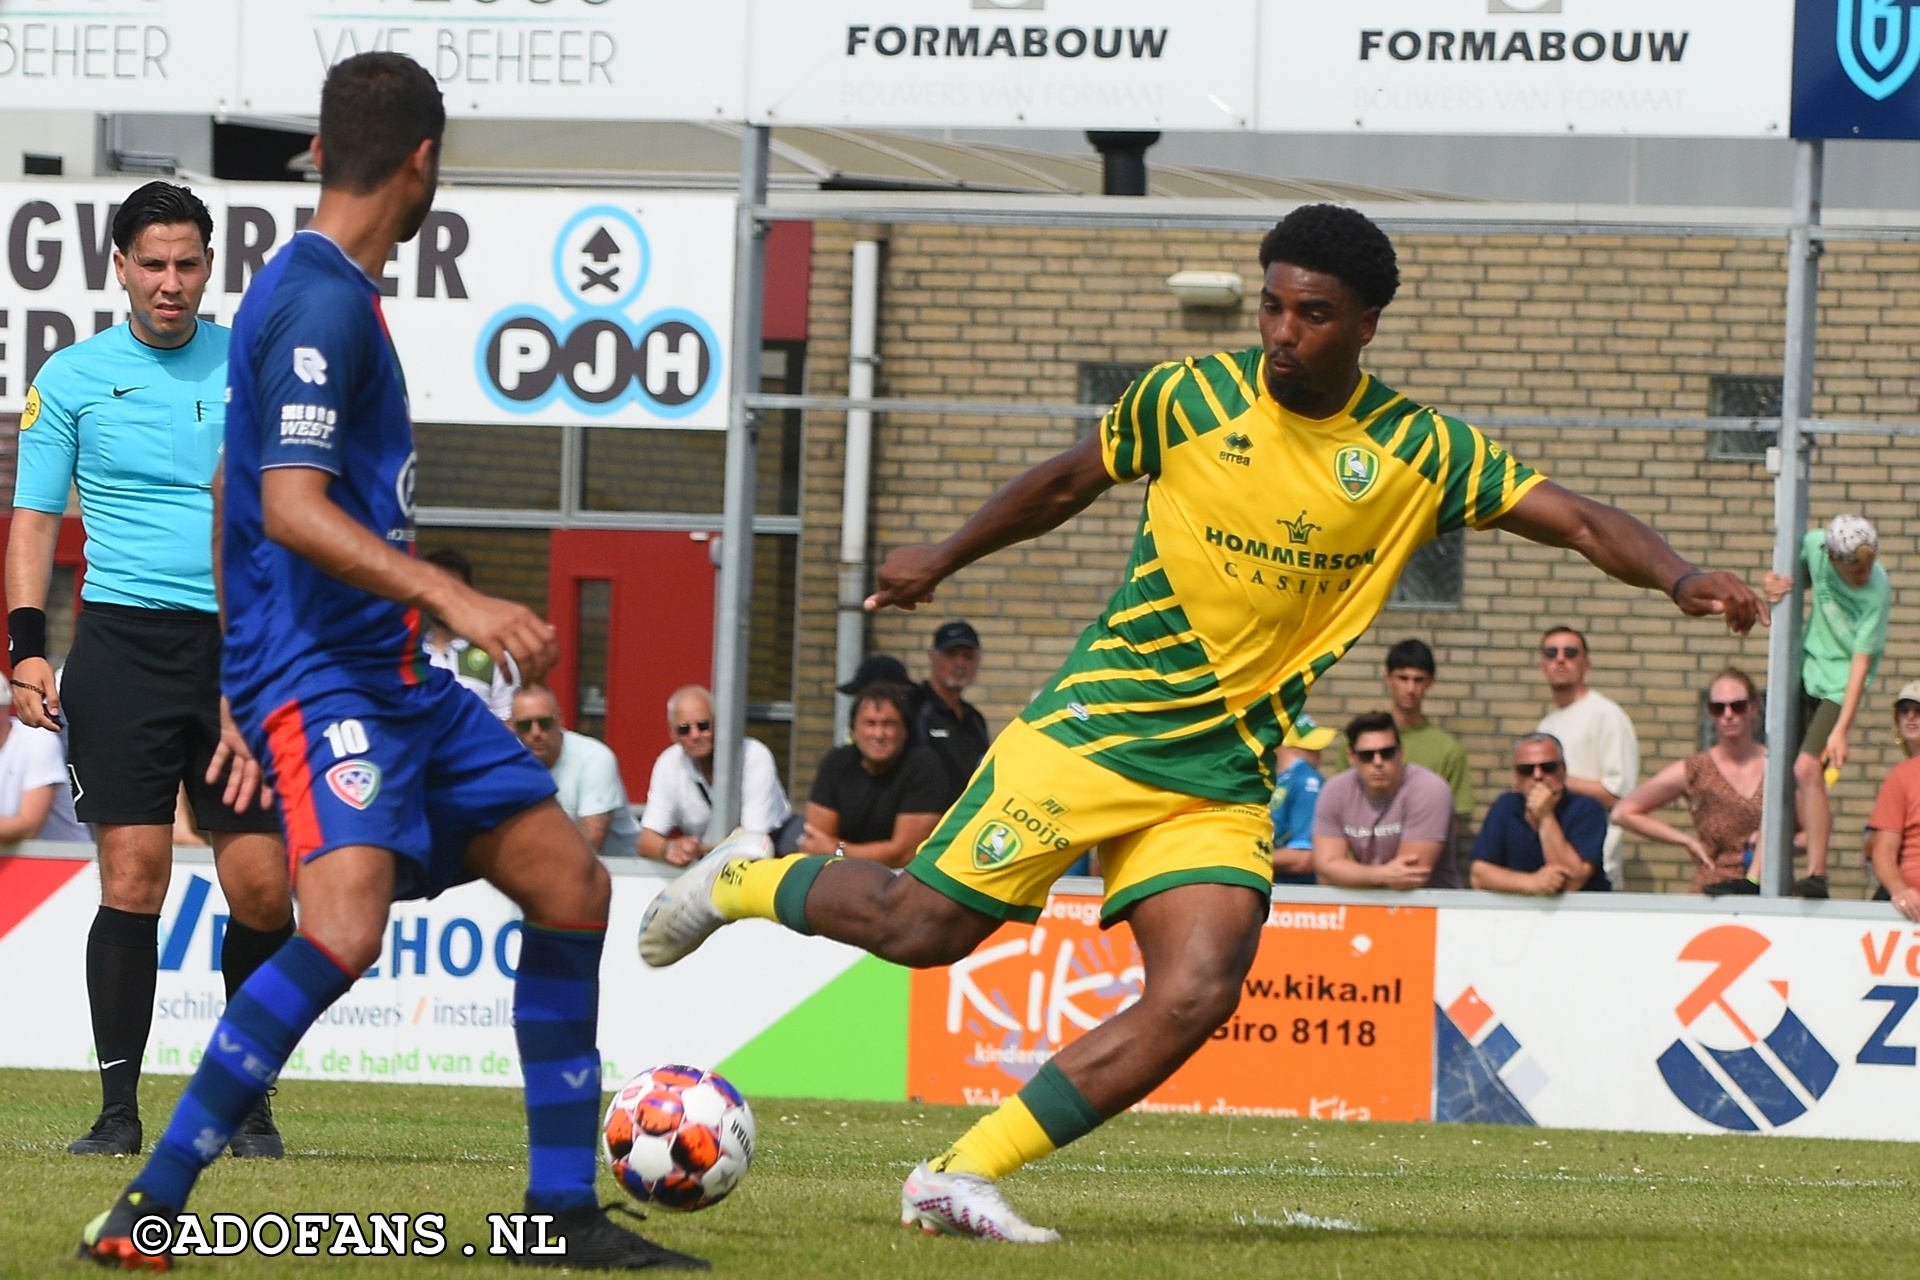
(1384, 824)
(1541, 838)
(1722, 786)
(1893, 830)
(1296, 793)
(36, 800)
(673, 827)
(472, 667)
(880, 795)
(583, 768)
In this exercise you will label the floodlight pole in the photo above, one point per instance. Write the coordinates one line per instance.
(733, 608)
(1790, 519)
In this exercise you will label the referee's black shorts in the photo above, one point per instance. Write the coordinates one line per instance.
(141, 693)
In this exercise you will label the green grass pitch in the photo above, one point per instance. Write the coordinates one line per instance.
(1144, 1196)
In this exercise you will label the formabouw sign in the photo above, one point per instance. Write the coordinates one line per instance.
(1649, 67)
(604, 308)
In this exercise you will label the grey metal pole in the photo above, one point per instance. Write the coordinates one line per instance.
(734, 610)
(1790, 519)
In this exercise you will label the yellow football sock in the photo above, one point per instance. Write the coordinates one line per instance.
(999, 1143)
(744, 889)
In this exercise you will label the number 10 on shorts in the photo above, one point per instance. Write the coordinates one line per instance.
(346, 737)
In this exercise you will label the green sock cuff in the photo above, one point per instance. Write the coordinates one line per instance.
(1060, 1108)
(790, 897)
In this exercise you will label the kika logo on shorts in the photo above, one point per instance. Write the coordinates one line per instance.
(996, 843)
(356, 782)
(598, 357)
(1743, 1060)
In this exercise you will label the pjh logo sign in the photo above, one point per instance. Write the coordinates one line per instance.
(1877, 44)
(1744, 1060)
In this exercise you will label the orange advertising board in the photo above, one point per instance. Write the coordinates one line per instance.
(1335, 1018)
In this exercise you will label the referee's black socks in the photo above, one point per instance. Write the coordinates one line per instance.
(243, 950)
(122, 962)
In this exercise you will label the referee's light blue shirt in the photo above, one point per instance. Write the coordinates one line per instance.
(138, 430)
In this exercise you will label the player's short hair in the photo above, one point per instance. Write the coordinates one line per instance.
(1410, 653)
(160, 204)
(375, 108)
(1575, 632)
(455, 562)
(1340, 242)
(1735, 673)
(884, 693)
(1370, 722)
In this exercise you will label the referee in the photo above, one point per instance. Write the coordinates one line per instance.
(134, 418)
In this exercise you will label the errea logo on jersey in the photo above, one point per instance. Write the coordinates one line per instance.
(310, 366)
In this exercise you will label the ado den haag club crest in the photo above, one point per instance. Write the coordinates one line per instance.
(994, 845)
(1356, 469)
(1877, 44)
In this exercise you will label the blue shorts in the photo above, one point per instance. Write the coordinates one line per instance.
(419, 771)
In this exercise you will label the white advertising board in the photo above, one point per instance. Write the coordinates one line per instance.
(533, 59)
(602, 308)
(1703, 1022)
(119, 55)
(1701, 68)
(1079, 64)
(436, 1009)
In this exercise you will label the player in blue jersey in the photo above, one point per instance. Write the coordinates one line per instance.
(392, 780)
(132, 417)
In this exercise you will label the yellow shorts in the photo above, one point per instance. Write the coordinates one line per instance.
(1034, 806)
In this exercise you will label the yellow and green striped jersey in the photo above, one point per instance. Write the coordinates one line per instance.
(1267, 544)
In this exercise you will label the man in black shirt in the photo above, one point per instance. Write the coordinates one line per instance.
(943, 721)
(880, 795)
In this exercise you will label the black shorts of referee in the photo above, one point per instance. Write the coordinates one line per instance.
(141, 692)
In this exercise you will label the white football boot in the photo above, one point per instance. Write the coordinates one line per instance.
(683, 916)
(965, 1204)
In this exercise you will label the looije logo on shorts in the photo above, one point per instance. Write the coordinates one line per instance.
(356, 782)
(996, 843)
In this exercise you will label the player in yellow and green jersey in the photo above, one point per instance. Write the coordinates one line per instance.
(1287, 490)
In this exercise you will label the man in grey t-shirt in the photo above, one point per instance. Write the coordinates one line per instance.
(1384, 824)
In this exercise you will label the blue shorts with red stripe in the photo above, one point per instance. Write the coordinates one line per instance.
(420, 771)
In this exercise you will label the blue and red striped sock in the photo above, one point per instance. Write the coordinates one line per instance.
(556, 1013)
(263, 1022)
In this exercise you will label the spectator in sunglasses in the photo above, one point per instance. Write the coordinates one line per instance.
(1602, 750)
(1722, 787)
(1384, 824)
(583, 768)
(673, 827)
(1541, 838)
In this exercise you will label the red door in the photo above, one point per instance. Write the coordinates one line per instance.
(635, 616)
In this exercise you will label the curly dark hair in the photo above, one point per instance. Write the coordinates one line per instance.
(1340, 242)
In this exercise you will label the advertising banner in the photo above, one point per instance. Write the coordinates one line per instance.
(532, 59)
(1062, 64)
(1642, 67)
(1679, 1022)
(602, 308)
(109, 55)
(1853, 69)
(1336, 1021)
(437, 1008)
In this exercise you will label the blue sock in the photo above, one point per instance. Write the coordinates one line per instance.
(556, 1014)
(264, 1021)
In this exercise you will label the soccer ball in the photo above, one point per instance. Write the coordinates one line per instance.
(679, 1137)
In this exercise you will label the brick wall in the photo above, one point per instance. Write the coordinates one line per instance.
(1482, 325)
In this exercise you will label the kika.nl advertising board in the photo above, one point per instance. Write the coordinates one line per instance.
(601, 308)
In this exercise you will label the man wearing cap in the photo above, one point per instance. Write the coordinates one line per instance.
(1846, 633)
(881, 668)
(943, 721)
(1296, 793)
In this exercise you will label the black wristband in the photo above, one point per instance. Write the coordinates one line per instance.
(1673, 592)
(26, 635)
